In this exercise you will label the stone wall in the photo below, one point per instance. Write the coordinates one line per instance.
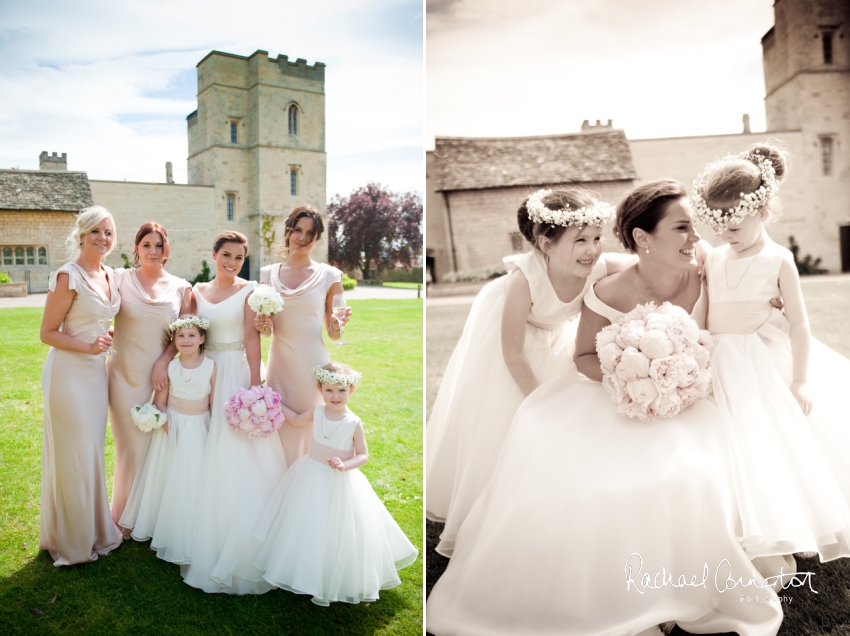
(483, 222)
(35, 229)
(187, 212)
(437, 237)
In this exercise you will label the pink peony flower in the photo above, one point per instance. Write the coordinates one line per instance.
(659, 322)
(630, 334)
(248, 398)
(642, 391)
(665, 373)
(255, 412)
(606, 336)
(688, 370)
(666, 404)
(633, 365)
(244, 414)
(609, 356)
(656, 344)
(259, 408)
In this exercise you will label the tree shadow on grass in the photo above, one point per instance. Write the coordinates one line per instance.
(133, 592)
(806, 613)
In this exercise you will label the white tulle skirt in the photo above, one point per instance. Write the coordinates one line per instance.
(475, 404)
(238, 476)
(175, 526)
(791, 489)
(142, 510)
(326, 533)
(580, 494)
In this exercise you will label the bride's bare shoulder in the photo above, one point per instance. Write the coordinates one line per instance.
(611, 290)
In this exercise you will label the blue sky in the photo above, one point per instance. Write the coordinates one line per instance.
(111, 83)
(658, 68)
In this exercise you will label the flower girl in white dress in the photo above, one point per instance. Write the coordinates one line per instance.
(520, 333)
(324, 531)
(191, 377)
(768, 372)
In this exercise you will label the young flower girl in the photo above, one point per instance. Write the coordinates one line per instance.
(162, 498)
(324, 531)
(519, 334)
(789, 470)
(191, 378)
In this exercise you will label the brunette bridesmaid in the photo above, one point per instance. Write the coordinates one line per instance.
(308, 289)
(76, 525)
(151, 298)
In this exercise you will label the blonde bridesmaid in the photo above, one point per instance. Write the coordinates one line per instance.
(76, 525)
(151, 298)
(308, 289)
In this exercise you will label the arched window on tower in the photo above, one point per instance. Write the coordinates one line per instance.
(293, 119)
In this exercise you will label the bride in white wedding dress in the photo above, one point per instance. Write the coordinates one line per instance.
(584, 503)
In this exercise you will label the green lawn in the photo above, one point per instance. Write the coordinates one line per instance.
(133, 592)
(404, 285)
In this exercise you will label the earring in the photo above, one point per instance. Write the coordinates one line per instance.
(647, 250)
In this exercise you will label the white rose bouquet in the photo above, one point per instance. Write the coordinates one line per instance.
(147, 417)
(655, 361)
(265, 300)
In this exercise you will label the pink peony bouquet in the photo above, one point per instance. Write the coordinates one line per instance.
(255, 411)
(655, 361)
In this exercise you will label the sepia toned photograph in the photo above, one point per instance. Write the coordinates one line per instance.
(638, 268)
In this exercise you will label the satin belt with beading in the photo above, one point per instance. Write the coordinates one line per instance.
(188, 407)
(747, 317)
(322, 453)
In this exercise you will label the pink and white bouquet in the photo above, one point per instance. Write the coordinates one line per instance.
(265, 300)
(255, 411)
(655, 361)
(147, 417)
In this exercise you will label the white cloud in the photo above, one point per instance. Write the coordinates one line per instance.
(111, 83)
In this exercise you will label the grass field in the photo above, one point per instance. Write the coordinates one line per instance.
(807, 614)
(404, 285)
(131, 591)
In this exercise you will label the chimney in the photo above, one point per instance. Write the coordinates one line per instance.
(169, 177)
(746, 124)
(585, 126)
(52, 163)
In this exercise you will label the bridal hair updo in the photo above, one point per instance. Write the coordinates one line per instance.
(725, 180)
(292, 220)
(560, 199)
(149, 228)
(231, 236)
(85, 223)
(643, 208)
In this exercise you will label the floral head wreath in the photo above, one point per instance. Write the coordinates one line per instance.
(331, 377)
(749, 204)
(596, 214)
(192, 321)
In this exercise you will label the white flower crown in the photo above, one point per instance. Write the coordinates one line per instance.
(596, 214)
(749, 204)
(193, 321)
(329, 377)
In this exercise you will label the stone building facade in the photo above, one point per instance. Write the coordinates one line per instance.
(807, 100)
(256, 150)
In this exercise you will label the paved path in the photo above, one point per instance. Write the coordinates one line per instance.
(361, 292)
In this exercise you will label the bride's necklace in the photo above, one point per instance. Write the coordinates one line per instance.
(735, 286)
(333, 430)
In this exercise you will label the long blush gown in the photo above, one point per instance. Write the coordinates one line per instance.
(478, 396)
(326, 533)
(297, 347)
(76, 525)
(579, 495)
(791, 490)
(238, 474)
(141, 335)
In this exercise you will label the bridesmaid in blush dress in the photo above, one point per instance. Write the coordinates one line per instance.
(150, 299)
(308, 289)
(76, 526)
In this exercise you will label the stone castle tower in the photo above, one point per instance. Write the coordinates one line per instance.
(807, 89)
(258, 137)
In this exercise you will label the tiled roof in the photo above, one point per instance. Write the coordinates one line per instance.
(469, 163)
(37, 190)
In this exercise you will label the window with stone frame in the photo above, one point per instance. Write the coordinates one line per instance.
(233, 131)
(293, 119)
(293, 182)
(24, 255)
(231, 205)
(827, 155)
(826, 39)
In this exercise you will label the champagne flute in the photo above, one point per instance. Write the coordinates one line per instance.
(104, 319)
(340, 309)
